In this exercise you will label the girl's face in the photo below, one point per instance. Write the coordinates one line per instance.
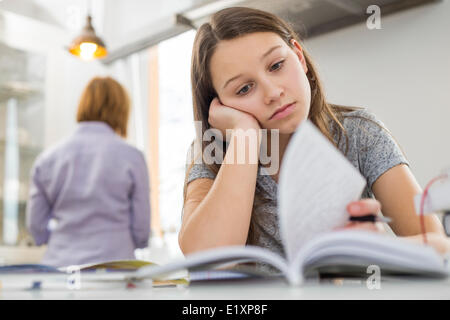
(260, 74)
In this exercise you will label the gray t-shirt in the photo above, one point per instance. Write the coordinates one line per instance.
(371, 149)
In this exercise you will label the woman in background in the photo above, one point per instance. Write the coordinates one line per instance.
(94, 186)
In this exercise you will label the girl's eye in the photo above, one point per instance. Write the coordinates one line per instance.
(244, 89)
(277, 66)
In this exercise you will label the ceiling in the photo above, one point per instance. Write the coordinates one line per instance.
(128, 26)
(314, 17)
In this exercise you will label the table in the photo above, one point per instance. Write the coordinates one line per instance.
(258, 289)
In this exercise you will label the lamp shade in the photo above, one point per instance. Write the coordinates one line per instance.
(88, 45)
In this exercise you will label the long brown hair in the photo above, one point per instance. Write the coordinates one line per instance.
(106, 100)
(235, 22)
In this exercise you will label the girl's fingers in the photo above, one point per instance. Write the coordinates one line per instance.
(367, 226)
(363, 207)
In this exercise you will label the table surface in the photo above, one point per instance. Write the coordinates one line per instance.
(256, 289)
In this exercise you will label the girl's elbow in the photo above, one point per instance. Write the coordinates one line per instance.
(186, 246)
(182, 243)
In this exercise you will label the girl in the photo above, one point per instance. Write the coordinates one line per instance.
(93, 184)
(250, 71)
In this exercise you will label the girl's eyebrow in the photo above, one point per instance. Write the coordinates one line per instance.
(270, 51)
(262, 57)
(232, 79)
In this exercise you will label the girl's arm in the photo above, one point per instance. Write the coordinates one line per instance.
(395, 191)
(217, 212)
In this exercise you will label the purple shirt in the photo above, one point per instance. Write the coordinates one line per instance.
(96, 187)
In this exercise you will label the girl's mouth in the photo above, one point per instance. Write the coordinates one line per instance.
(283, 111)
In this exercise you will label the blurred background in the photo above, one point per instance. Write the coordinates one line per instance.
(390, 56)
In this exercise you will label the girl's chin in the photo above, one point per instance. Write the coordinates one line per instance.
(289, 127)
(283, 129)
(288, 131)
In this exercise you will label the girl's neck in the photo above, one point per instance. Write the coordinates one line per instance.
(283, 141)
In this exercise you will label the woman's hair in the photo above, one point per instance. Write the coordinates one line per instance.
(104, 99)
(235, 22)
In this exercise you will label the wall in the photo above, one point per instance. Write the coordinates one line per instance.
(65, 75)
(66, 78)
(401, 73)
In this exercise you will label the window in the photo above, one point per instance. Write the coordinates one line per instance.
(21, 136)
(176, 124)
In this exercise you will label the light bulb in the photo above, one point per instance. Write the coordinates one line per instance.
(87, 50)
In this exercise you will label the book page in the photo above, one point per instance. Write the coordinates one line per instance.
(117, 264)
(342, 250)
(212, 258)
(316, 184)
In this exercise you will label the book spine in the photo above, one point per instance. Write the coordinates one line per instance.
(294, 277)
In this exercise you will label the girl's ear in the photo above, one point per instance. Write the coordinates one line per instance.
(299, 52)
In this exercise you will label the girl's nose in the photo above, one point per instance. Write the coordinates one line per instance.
(272, 92)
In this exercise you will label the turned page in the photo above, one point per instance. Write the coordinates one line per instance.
(316, 184)
(212, 258)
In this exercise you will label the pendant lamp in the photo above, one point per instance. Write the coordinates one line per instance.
(88, 46)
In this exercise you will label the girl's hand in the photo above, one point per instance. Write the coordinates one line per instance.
(362, 208)
(224, 117)
(439, 242)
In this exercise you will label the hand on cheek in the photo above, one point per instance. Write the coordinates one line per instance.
(224, 117)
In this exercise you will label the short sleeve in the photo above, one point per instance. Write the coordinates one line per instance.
(200, 170)
(378, 149)
(196, 168)
(195, 171)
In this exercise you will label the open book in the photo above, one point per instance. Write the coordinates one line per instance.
(316, 184)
